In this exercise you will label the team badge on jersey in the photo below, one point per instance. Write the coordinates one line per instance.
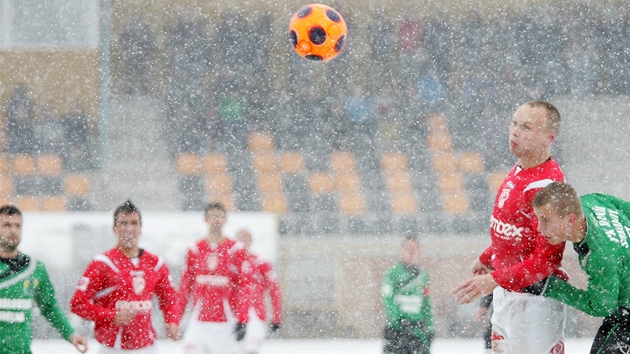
(213, 261)
(138, 282)
(505, 193)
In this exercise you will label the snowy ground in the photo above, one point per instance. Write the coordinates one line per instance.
(441, 346)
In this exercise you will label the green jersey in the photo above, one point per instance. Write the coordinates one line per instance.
(24, 280)
(604, 255)
(405, 294)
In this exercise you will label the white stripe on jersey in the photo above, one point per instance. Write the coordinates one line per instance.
(159, 264)
(103, 258)
(105, 292)
(538, 184)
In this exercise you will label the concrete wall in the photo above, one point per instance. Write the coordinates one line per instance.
(332, 285)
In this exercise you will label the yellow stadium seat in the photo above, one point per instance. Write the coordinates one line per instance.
(188, 164)
(27, 203)
(261, 141)
(6, 185)
(495, 179)
(4, 165)
(393, 161)
(274, 202)
(49, 164)
(455, 203)
(218, 182)
(444, 162)
(215, 162)
(23, 164)
(470, 162)
(440, 141)
(436, 122)
(404, 203)
(341, 161)
(398, 181)
(450, 182)
(292, 162)
(77, 185)
(269, 182)
(264, 161)
(351, 203)
(348, 181)
(321, 183)
(53, 203)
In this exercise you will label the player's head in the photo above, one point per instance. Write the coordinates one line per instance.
(127, 224)
(534, 127)
(215, 215)
(410, 249)
(245, 237)
(558, 210)
(10, 228)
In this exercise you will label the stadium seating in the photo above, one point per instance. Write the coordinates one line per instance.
(39, 182)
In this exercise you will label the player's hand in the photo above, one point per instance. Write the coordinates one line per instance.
(172, 331)
(79, 342)
(124, 317)
(239, 331)
(474, 288)
(480, 269)
(275, 327)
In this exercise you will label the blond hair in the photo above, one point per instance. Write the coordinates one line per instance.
(553, 115)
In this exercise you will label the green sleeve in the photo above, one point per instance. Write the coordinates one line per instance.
(622, 205)
(47, 303)
(427, 310)
(600, 297)
(392, 312)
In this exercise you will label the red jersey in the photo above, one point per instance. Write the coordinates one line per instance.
(111, 282)
(264, 279)
(217, 277)
(519, 254)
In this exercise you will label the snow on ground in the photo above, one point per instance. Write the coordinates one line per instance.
(331, 346)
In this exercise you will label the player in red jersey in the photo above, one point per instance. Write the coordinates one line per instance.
(520, 258)
(216, 275)
(264, 280)
(117, 288)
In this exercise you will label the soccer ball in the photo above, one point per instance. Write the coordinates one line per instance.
(318, 32)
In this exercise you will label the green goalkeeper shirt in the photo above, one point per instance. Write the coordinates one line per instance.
(604, 255)
(405, 295)
(24, 280)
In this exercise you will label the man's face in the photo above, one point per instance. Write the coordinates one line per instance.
(127, 228)
(555, 228)
(529, 132)
(215, 219)
(10, 232)
(410, 252)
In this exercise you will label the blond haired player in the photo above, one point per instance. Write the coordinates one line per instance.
(519, 258)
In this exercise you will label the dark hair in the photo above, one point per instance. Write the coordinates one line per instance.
(127, 208)
(214, 206)
(410, 236)
(10, 210)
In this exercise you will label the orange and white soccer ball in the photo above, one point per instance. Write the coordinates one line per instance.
(318, 32)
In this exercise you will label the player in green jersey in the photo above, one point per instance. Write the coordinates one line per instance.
(405, 295)
(24, 280)
(598, 225)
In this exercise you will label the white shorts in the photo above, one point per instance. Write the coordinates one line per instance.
(103, 349)
(209, 338)
(256, 333)
(527, 324)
